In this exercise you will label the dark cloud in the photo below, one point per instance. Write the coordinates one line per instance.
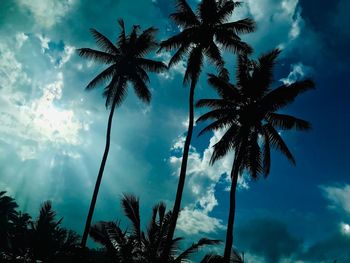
(268, 238)
(336, 247)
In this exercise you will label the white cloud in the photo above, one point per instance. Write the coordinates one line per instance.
(31, 116)
(195, 221)
(49, 12)
(20, 39)
(298, 72)
(11, 70)
(199, 165)
(40, 122)
(278, 22)
(339, 196)
(179, 68)
(58, 56)
(202, 179)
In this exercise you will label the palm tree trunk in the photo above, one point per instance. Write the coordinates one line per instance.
(99, 178)
(231, 216)
(181, 184)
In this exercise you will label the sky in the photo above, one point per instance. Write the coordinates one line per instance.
(52, 132)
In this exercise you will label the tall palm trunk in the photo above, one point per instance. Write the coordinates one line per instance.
(99, 178)
(181, 184)
(232, 211)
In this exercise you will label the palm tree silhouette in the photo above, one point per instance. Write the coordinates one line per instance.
(135, 245)
(8, 215)
(248, 112)
(126, 64)
(202, 31)
(47, 239)
(235, 258)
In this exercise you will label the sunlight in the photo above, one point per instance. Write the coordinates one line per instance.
(51, 122)
(345, 228)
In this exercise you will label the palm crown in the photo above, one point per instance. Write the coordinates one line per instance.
(248, 110)
(137, 245)
(127, 63)
(202, 31)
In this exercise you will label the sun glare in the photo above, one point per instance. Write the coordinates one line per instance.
(345, 228)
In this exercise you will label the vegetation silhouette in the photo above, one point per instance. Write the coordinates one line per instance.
(234, 258)
(8, 215)
(126, 64)
(202, 31)
(136, 245)
(24, 240)
(248, 113)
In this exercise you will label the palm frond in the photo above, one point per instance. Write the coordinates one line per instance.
(131, 208)
(263, 71)
(214, 54)
(104, 76)
(266, 153)
(103, 42)
(287, 122)
(214, 115)
(227, 143)
(216, 125)
(141, 89)
(218, 104)
(177, 40)
(151, 65)
(285, 94)
(179, 54)
(277, 142)
(226, 9)
(97, 55)
(146, 42)
(242, 26)
(232, 42)
(189, 17)
(254, 157)
(115, 91)
(224, 88)
(194, 248)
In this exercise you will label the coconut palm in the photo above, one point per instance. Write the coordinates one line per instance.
(48, 240)
(202, 31)
(8, 215)
(126, 64)
(248, 112)
(235, 258)
(135, 245)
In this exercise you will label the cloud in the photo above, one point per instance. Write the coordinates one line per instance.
(199, 164)
(47, 13)
(201, 181)
(32, 117)
(195, 221)
(279, 23)
(339, 196)
(332, 249)
(20, 39)
(267, 238)
(59, 53)
(298, 72)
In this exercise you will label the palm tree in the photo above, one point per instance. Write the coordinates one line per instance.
(135, 245)
(126, 64)
(248, 112)
(47, 239)
(8, 215)
(202, 31)
(235, 258)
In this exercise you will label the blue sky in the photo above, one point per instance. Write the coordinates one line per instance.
(52, 132)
